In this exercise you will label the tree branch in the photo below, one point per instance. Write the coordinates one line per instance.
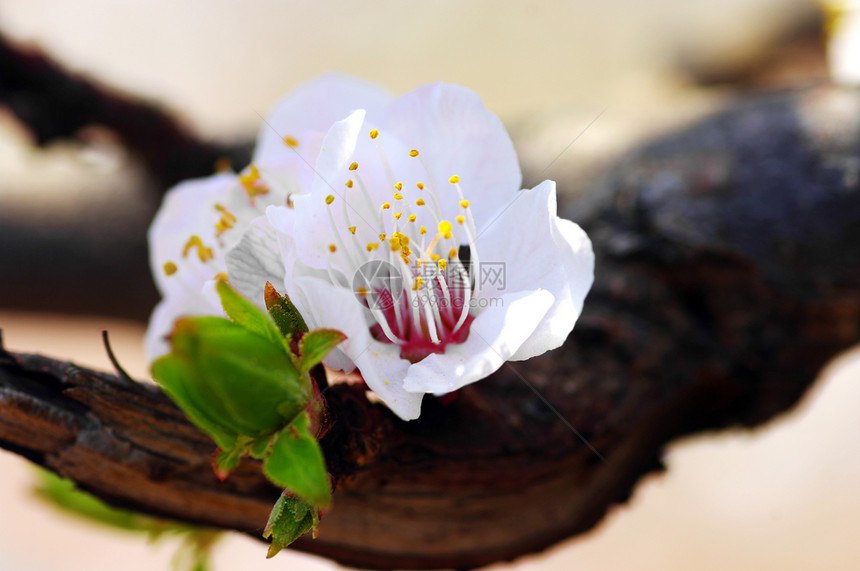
(727, 276)
(56, 104)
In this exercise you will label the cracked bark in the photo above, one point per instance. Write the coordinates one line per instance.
(727, 276)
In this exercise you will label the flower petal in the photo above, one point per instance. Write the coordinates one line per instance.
(255, 260)
(456, 135)
(548, 253)
(188, 209)
(325, 305)
(494, 336)
(313, 107)
(168, 310)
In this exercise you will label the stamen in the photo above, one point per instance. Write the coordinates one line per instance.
(371, 246)
(332, 248)
(349, 183)
(329, 199)
(445, 229)
(353, 166)
(386, 205)
(420, 185)
(374, 134)
(398, 196)
(398, 186)
(291, 141)
(461, 219)
(443, 264)
(381, 237)
(351, 230)
(454, 179)
(397, 215)
(413, 153)
(170, 268)
(412, 217)
(464, 203)
(204, 253)
(253, 184)
(452, 253)
(423, 230)
(420, 202)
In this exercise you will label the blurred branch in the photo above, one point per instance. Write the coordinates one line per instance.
(56, 104)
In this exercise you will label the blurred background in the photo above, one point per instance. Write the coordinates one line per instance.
(615, 74)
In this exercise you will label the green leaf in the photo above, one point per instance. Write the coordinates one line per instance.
(315, 345)
(283, 311)
(296, 463)
(290, 519)
(230, 381)
(243, 312)
(172, 374)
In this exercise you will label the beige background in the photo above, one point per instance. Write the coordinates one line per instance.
(785, 497)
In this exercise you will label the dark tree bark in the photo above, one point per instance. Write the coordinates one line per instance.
(727, 276)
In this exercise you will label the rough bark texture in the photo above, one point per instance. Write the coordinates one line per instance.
(727, 275)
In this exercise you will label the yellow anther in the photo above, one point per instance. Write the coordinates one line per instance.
(170, 268)
(226, 221)
(454, 179)
(461, 219)
(329, 199)
(220, 277)
(413, 153)
(349, 183)
(452, 253)
(420, 202)
(423, 230)
(371, 246)
(381, 237)
(204, 253)
(394, 243)
(362, 291)
(386, 205)
(412, 217)
(419, 281)
(397, 215)
(445, 229)
(435, 257)
(353, 166)
(332, 248)
(398, 186)
(252, 183)
(443, 264)
(351, 230)
(464, 203)
(291, 141)
(406, 250)
(374, 134)
(398, 196)
(420, 186)
(404, 239)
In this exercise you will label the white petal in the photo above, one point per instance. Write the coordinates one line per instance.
(540, 251)
(456, 135)
(188, 209)
(312, 107)
(324, 305)
(494, 336)
(255, 260)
